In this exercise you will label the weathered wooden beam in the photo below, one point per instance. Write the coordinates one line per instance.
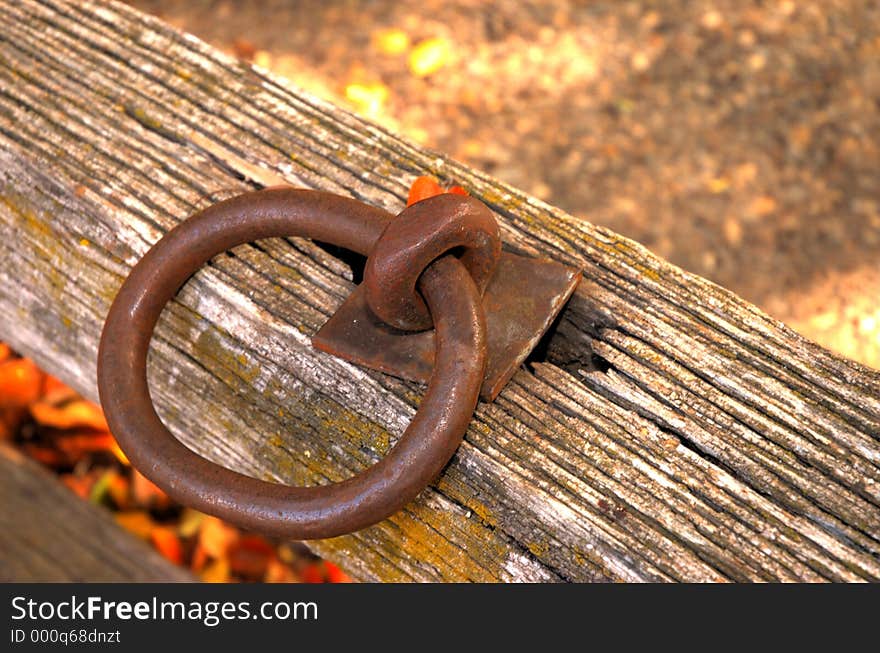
(48, 534)
(669, 431)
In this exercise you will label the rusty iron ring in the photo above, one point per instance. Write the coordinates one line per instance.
(413, 239)
(295, 512)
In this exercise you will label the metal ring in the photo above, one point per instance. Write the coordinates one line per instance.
(295, 512)
(418, 235)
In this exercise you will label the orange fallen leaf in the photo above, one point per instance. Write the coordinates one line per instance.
(79, 442)
(199, 559)
(190, 522)
(20, 383)
(119, 490)
(286, 553)
(110, 488)
(146, 493)
(368, 98)
(137, 522)
(278, 572)
(116, 451)
(5, 351)
(335, 574)
(73, 414)
(44, 455)
(313, 573)
(216, 572)
(429, 56)
(167, 543)
(249, 557)
(762, 206)
(56, 392)
(244, 49)
(718, 184)
(215, 538)
(424, 187)
(392, 41)
(80, 484)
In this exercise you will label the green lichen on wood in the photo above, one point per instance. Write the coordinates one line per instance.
(234, 367)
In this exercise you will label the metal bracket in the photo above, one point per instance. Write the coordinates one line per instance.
(488, 310)
(521, 300)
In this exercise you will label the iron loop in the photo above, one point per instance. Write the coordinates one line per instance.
(420, 234)
(420, 454)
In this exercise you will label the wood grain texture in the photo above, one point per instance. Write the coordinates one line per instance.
(669, 431)
(48, 534)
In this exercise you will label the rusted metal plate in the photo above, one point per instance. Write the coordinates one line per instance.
(520, 303)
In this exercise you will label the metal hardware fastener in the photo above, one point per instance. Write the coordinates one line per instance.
(411, 280)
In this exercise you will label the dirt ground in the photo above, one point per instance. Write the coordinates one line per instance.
(739, 140)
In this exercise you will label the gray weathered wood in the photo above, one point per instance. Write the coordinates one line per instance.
(48, 534)
(671, 432)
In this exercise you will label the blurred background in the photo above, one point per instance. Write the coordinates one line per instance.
(740, 140)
